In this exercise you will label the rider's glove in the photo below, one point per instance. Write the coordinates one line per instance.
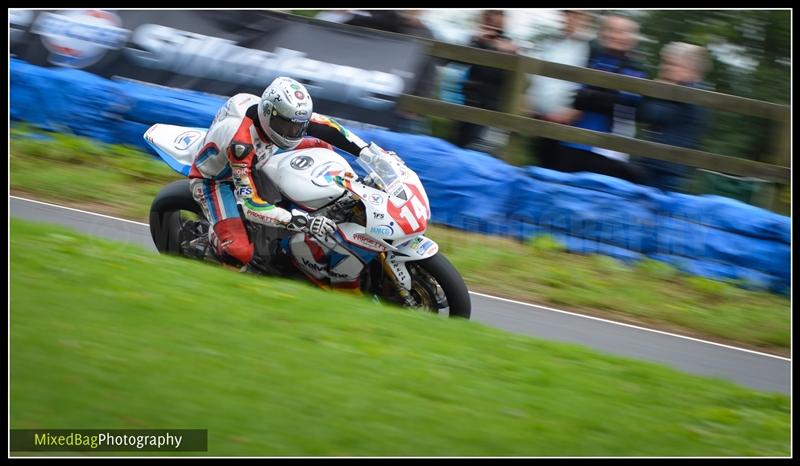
(322, 226)
(317, 226)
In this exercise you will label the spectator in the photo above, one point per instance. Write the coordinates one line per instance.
(549, 98)
(675, 123)
(552, 99)
(605, 110)
(484, 84)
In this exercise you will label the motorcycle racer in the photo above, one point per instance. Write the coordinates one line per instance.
(246, 132)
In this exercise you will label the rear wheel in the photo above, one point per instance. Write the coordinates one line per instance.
(177, 223)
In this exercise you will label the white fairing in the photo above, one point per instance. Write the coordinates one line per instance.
(177, 145)
(306, 176)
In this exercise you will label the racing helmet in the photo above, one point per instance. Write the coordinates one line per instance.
(285, 111)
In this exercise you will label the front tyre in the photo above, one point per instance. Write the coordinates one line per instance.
(436, 270)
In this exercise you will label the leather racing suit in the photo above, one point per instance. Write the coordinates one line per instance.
(222, 173)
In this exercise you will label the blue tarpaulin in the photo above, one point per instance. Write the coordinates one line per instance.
(712, 236)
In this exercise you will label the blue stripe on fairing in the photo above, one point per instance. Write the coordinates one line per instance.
(365, 255)
(173, 164)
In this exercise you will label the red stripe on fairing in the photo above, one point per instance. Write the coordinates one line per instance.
(316, 249)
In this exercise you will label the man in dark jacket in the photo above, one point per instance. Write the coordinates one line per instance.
(675, 123)
(605, 110)
(484, 84)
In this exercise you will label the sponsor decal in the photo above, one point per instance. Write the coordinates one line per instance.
(400, 192)
(301, 113)
(324, 174)
(339, 275)
(245, 191)
(314, 265)
(299, 95)
(369, 242)
(378, 215)
(301, 162)
(238, 170)
(375, 199)
(427, 244)
(266, 220)
(185, 139)
(79, 38)
(398, 269)
(382, 230)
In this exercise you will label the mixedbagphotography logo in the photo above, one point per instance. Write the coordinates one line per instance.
(109, 440)
(79, 38)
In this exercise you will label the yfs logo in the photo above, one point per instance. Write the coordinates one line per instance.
(79, 38)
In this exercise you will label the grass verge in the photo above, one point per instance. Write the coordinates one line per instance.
(105, 335)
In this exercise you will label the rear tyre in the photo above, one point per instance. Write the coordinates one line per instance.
(166, 222)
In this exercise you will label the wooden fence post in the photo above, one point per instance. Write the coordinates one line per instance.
(513, 101)
(781, 195)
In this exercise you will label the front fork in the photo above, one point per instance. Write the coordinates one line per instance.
(398, 274)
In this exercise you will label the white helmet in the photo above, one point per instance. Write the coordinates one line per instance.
(284, 112)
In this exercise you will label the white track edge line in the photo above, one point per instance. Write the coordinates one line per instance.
(630, 325)
(79, 210)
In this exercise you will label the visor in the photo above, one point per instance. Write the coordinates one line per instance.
(288, 128)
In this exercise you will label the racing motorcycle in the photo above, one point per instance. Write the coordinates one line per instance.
(381, 220)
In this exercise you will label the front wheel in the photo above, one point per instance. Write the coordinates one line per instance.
(436, 284)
